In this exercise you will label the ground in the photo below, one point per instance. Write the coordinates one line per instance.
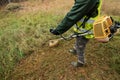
(54, 63)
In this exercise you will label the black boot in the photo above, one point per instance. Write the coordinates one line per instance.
(77, 64)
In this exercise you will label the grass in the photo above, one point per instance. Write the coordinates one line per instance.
(115, 55)
(23, 34)
(110, 7)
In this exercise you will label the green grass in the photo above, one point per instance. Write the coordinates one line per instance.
(115, 54)
(22, 35)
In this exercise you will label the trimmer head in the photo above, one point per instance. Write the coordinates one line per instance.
(54, 43)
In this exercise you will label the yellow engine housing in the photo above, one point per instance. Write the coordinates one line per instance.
(101, 27)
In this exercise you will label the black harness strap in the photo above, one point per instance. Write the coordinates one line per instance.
(93, 12)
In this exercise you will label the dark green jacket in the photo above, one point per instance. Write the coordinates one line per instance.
(80, 9)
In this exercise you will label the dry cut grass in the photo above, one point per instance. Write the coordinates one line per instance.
(111, 7)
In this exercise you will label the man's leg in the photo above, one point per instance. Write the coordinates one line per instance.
(80, 47)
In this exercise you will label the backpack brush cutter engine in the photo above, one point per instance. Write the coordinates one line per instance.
(103, 29)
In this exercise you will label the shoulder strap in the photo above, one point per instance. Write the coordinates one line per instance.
(83, 23)
(93, 12)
